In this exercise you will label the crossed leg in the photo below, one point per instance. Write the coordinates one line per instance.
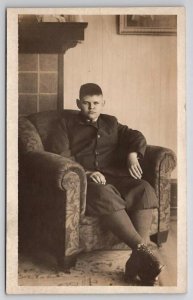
(124, 206)
(127, 212)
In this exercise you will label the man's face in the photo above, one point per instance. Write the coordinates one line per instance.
(91, 106)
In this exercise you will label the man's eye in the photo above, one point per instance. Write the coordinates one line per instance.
(95, 103)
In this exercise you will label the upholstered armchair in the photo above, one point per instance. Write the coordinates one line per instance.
(52, 195)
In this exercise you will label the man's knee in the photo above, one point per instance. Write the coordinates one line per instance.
(145, 184)
(150, 199)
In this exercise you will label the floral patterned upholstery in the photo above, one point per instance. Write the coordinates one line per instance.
(52, 193)
(29, 140)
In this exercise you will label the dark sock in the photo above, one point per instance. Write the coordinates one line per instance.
(142, 220)
(120, 224)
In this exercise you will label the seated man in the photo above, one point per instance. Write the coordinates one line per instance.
(110, 154)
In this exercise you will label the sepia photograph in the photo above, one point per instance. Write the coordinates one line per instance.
(95, 197)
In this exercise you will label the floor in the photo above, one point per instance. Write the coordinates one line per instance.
(97, 268)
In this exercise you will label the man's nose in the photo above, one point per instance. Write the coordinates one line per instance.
(91, 105)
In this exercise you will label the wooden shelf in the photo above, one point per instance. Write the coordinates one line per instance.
(49, 37)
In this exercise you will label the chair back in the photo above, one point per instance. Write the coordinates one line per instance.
(35, 128)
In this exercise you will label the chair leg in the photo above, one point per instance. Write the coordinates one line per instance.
(67, 262)
(159, 237)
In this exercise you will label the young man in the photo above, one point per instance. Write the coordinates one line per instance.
(110, 154)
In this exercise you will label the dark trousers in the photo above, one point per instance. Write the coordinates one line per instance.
(119, 193)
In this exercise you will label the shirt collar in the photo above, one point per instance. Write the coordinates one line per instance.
(85, 121)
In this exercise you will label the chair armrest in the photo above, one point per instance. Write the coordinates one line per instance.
(51, 170)
(56, 187)
(157, 166)
(158, 162)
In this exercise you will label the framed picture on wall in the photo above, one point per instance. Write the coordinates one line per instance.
(148, 24)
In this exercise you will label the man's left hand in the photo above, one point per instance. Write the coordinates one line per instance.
(134, 166)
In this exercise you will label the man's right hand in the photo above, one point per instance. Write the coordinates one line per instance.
(96, 177)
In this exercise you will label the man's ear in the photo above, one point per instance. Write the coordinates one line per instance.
(78, 103)
(104, 102)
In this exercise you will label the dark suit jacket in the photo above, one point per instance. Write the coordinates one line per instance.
(101, 146)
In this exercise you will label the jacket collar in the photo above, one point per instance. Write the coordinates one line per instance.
(101, 124)
(85, 121)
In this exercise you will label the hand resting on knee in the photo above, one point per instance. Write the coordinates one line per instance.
(96, 177)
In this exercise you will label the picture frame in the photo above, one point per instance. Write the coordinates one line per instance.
(148, 24)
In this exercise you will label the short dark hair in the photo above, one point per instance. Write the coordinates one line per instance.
(89, 89)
